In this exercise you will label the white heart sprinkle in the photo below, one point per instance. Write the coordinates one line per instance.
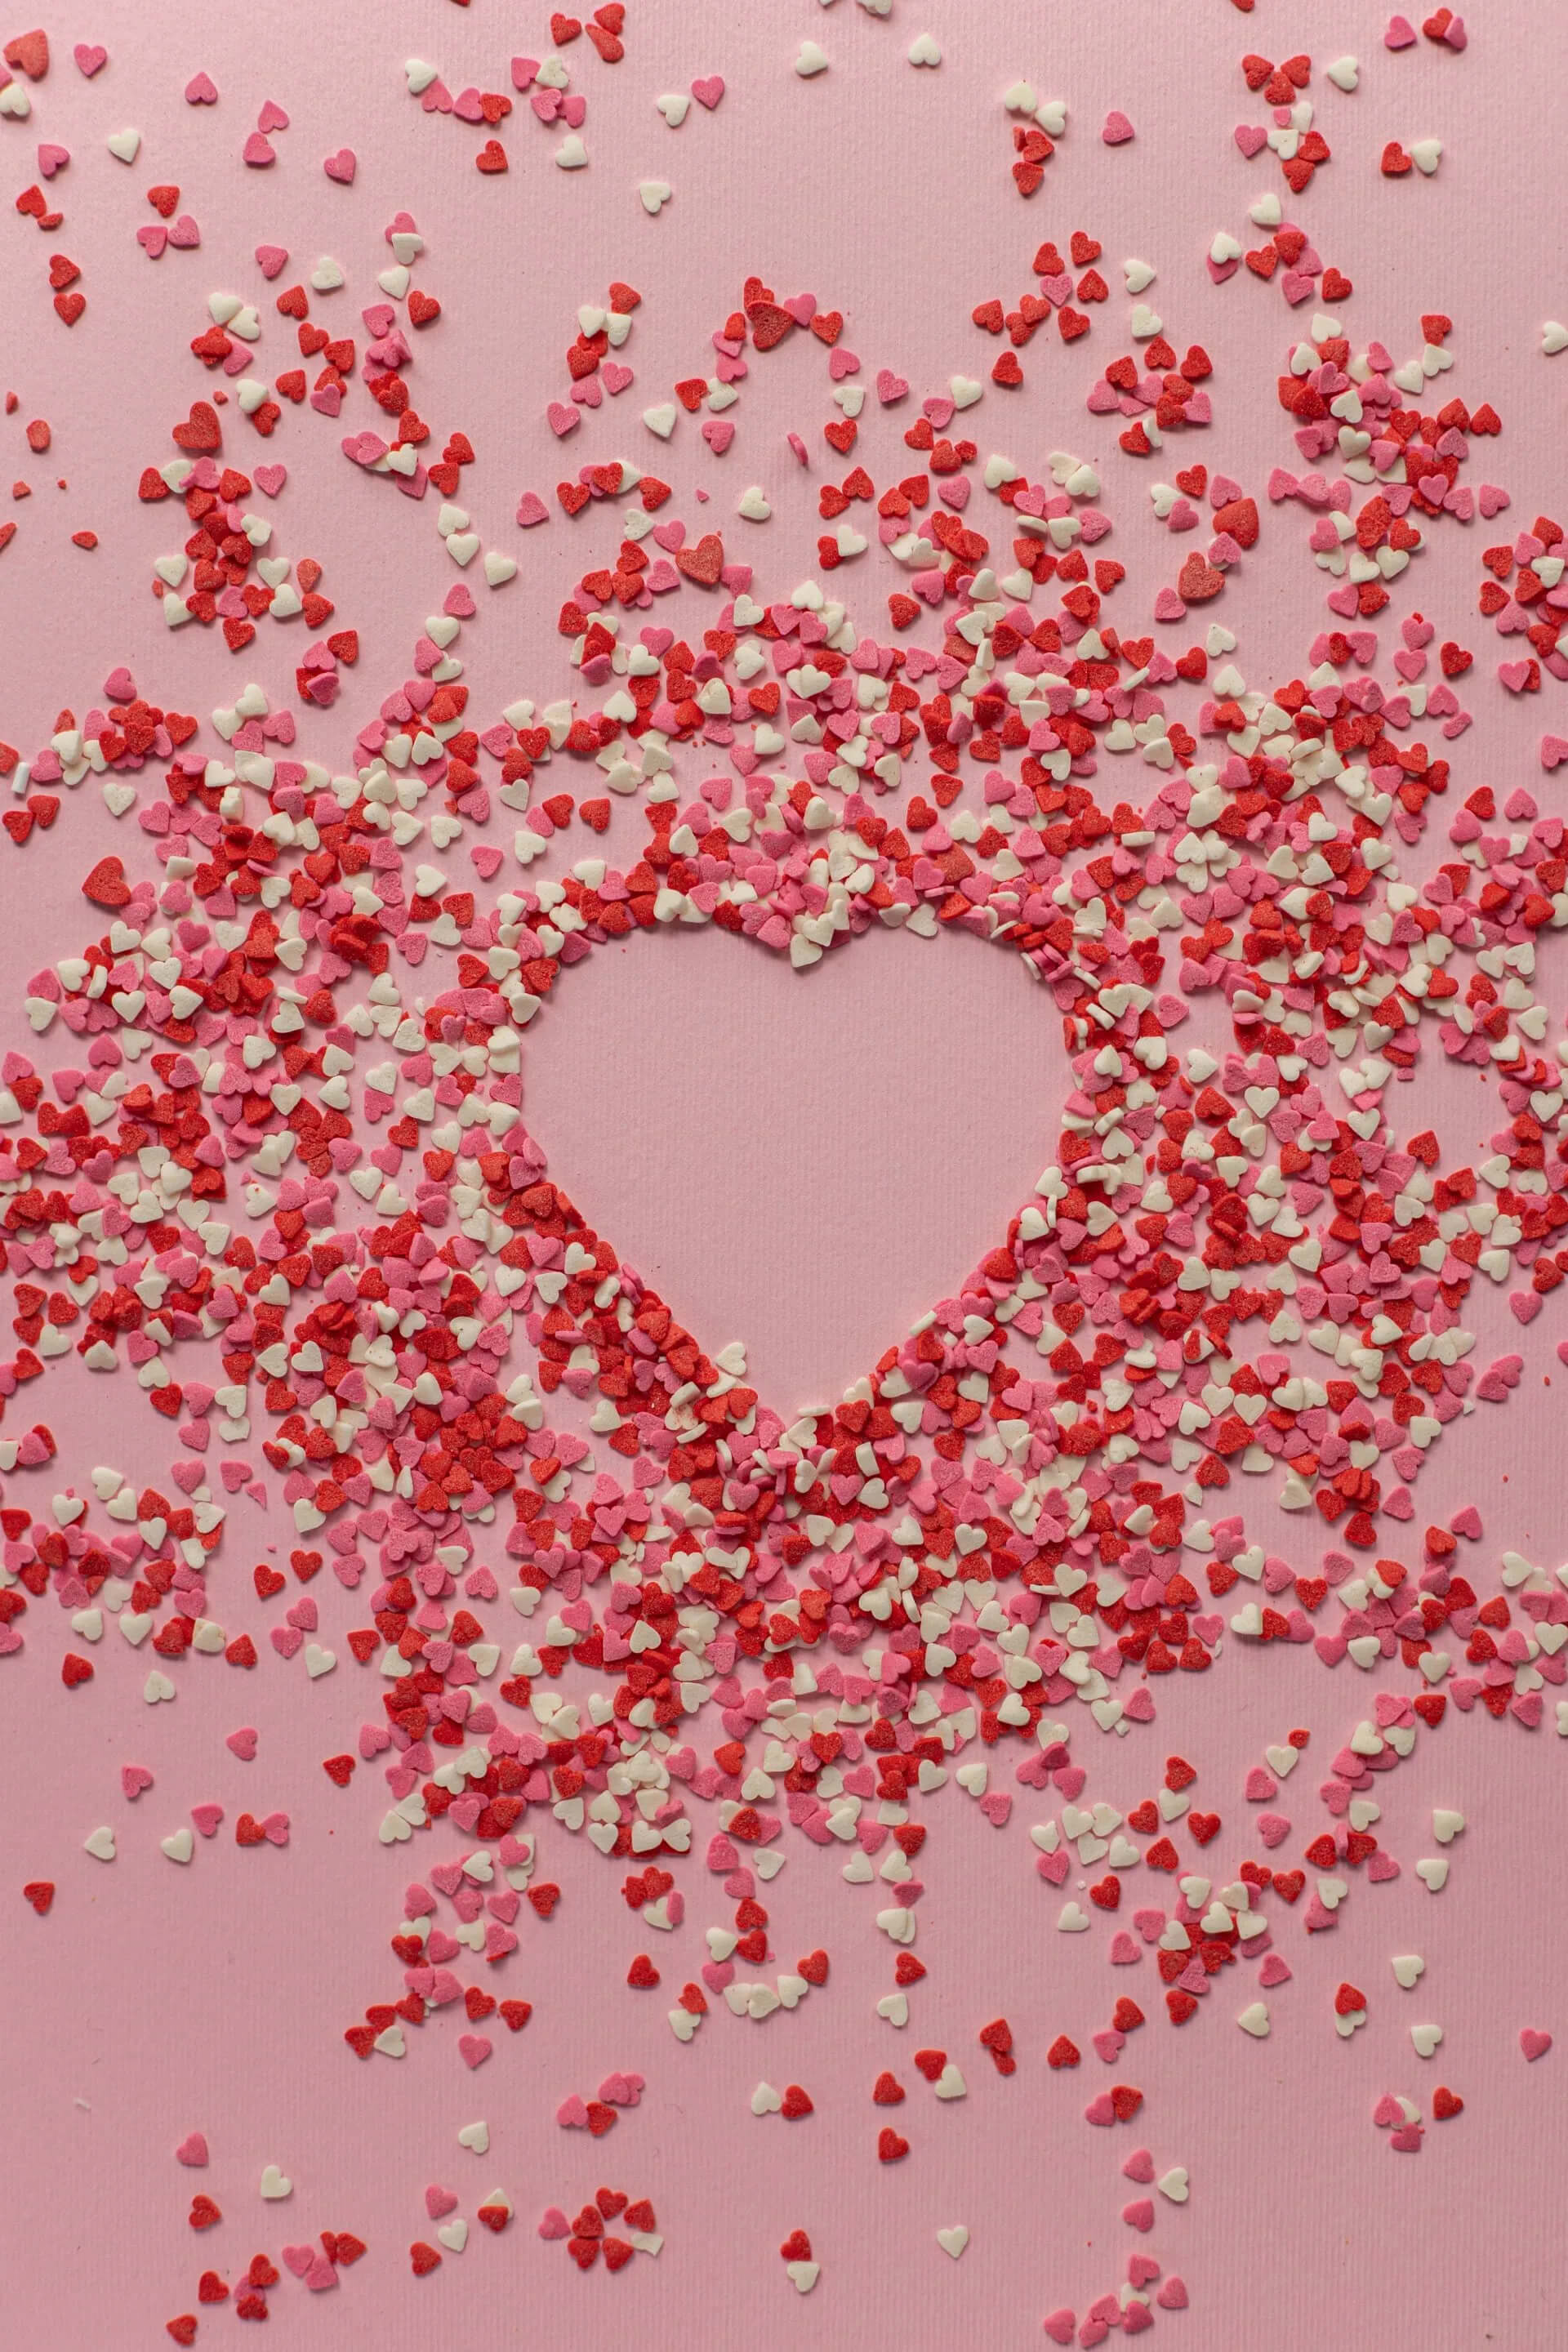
(1254, 2020)
(1345, 73)
(454, 2235)
(125, 145)
(476, 2137)
(952, 2242)
(100, 1844)
(675, 106)
(1407, 1968)
(1432, 1870)
(1425, 2039)
(654, 195)
(923, 51)
(180, 1846)
(811, 61)
(275, 2184)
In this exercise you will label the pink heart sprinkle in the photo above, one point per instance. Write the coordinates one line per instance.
(193, 2150)
(271, 479)
(552, 2223)
(1059, 2325)
(276, 1829)
(52, 159)
(242, 1743)
(531, 509)
(152, 236)
(708, 89)
(718, 432)
(475, 2048)
(298, 2259)
(270, 258)
(1172, 2295)
(133, 1779)
(183, 233)
(1118, 129)
(257, 152)
(615, 376)
(891, 387)
(1249, 137)
(802, 307)
(208, 1819)
(271, 117)
(563, 418)
(91, 56)
(1533, 2044)
(1400, 33)
(201, 91)
(438, 2202)
(341, 166)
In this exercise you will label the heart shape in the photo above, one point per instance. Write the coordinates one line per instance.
(898, 1128)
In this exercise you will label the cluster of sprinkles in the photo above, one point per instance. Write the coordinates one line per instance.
(279, 1177)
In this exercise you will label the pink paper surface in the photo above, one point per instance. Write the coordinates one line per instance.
(803, 1160)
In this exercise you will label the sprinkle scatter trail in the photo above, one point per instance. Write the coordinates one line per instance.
(266, 1158)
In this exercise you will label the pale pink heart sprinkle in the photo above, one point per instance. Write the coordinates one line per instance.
(439, 2201)
(531, 509)
(1533, 2043)
(1249, 137)
(272, 258)
(474, 2049)
(193, 2150)
(257, 152)
(52, 159)
(270, 478)
(90, 57)
(562, 418)
(152, 236)
(891, 387)
(201, 91)
(1118, 129)
(271, 117)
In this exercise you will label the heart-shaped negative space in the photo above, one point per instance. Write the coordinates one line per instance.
(805, 1162)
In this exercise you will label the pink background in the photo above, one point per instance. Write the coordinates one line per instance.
(805, 1162)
